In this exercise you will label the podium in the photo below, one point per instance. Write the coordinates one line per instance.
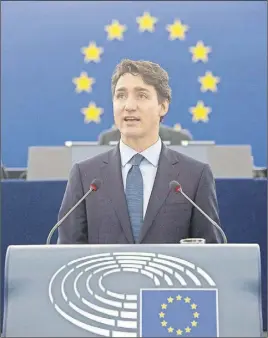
(167, 290)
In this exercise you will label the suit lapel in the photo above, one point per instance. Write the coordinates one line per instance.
(166, 172)
(113, 187)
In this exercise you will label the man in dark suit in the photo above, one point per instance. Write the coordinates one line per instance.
(134, 203)
(166, 133)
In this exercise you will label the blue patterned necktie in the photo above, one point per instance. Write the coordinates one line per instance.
(134, 195)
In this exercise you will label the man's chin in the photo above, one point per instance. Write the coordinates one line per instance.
(131, 132)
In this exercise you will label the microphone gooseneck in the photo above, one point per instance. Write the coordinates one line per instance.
(94, 186)
(176, 187)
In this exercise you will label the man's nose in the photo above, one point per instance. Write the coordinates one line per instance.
(131, 104)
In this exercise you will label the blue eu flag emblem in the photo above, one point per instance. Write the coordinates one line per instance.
(179, 313)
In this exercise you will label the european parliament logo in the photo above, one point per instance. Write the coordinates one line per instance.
(124, 294)
(178, 313)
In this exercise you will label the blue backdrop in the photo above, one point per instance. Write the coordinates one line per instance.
(42, 53)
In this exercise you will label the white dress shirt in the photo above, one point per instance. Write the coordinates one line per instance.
(148, 167)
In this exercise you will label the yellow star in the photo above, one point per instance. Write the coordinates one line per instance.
(193, 306)
(200, 113)
(200, 52)
(187, 329)
(179, 332)
(194, 323)
(196, 315)
(164, 323)
(178, 297)
(83, 82)
(92, 52)
(208, 82)
(164, 306)
(177, 30)
(170, 329)
(115, 30)
(170, 300)
(161, 315)
(92, 113)
(187, 300)
(146, 22)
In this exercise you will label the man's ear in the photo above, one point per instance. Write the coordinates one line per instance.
(164, 108)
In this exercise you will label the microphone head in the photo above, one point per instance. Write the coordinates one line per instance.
(175, 186)
(95, 184)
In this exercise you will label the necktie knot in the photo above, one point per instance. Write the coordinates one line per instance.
(136, 159)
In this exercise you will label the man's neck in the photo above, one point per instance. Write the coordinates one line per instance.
(139, 144)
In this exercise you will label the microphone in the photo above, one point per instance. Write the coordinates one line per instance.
(94, 186)
(174, 185)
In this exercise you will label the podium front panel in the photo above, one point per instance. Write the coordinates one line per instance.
(209, 290)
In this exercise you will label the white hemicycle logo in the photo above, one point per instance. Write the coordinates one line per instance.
(106, 312)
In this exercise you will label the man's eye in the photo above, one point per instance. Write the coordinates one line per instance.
(120, 95)
(142, 96)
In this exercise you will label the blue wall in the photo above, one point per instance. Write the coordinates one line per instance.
(41, 54)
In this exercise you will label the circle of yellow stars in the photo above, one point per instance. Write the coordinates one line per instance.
(179, 331)
(146, 23)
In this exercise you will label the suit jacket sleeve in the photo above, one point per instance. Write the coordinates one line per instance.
(74, 229)
(206, 199)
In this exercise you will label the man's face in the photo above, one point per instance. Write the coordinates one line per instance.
(136, 108)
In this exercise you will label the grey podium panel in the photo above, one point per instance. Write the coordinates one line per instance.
(48, 163)
(80, 153)
(210, 290)
(54, 163)
(232, 161)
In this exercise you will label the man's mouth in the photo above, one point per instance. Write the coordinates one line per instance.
(131, 119)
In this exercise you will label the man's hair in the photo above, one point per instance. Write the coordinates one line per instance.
(151, 73)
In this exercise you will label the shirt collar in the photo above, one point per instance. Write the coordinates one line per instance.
(151, 154)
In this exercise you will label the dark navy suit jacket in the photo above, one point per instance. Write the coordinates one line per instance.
(103, 217)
